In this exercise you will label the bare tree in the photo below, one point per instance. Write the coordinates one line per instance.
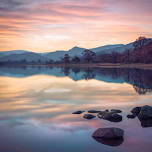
(66, 58)
(140, 42)
(88, 55)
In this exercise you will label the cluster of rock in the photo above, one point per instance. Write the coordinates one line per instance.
(114, 136)
(112, 115)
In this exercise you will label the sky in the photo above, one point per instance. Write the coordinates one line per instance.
(49, 25)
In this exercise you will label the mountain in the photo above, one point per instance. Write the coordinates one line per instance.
(20, 55)
(75, 51)
(5, 53)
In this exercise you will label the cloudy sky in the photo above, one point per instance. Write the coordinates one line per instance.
(49, 25)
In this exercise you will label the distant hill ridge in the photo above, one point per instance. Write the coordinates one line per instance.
(20, 55)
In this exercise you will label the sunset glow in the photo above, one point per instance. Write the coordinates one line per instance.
(51, 25)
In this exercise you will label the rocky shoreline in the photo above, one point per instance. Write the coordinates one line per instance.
(114, 136)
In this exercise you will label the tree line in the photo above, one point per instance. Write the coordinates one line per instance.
(141, 53)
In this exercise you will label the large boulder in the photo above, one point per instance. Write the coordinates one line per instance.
(78, 112)
(94, 111)
(108, 133)
(136, 111)
(146, 123)
(88, 116)
(145, 112)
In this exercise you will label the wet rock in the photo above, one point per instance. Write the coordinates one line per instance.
(78, 112)
(116, 111)
(89, 116)
(131, 116)
(109, 142)
(101, 114)
(108, 133)
(136, 111)
(110, 116)
(145, 112)
(94, 111)
(146, 123)
(113, 117)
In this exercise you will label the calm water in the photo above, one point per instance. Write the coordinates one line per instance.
(36, 105)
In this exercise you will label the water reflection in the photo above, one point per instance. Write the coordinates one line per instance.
(36, 105)
(140, 79)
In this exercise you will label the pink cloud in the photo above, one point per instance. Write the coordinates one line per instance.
(110, 19)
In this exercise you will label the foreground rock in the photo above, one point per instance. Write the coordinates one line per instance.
(94, 111)
(110, 116)
(116, 111)
(78, 112)
(108, 133)
(146, 123)
(145, 113)
(136, 111)
(131, 116)
(109, 142)
(89, 116)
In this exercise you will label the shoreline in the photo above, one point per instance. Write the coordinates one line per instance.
(93, 65)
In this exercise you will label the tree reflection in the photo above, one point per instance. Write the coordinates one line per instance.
(140, 79)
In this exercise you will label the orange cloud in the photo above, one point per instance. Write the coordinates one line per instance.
(106, 22)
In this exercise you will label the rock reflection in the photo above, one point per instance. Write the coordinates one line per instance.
(109, 142)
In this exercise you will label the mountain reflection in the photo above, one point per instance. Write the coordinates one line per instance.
(140, 79)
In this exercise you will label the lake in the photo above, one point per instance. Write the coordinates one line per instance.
(36, 105)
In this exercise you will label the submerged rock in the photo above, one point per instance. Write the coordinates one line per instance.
(108, 133)
(116, 111)
(131, 116)
(94, 111)
(88, 116)
(78, 112)
(136, 111)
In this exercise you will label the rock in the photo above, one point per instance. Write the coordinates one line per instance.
(114, 117)
(93, 111)
(136, 111)
(116, 111)
(146, 123)
(110, 116)
(89, 116)
(78, 112)
(109, 142)
(102, 113)
(145, 112)
(108, 133)
(131, 116)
